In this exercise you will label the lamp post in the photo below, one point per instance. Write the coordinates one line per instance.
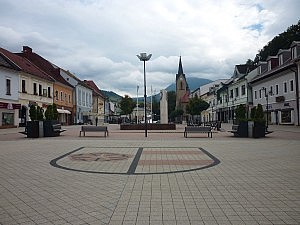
(144, 57)
(267, 107)
(137, 104)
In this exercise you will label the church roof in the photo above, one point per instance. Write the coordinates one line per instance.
(180, 73)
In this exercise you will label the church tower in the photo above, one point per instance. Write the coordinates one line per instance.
(182, 89)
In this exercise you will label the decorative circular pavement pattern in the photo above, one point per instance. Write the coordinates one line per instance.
(135, 161)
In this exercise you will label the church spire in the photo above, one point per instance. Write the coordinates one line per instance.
(180, 70)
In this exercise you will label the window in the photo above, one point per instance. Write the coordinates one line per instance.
(23, 86)
(277, 89)
(79, 97)
(255, 94)
(243, 89)
(49, 92)
(286, 116)
(285, 87)
(260, 93)
(35, 89)
(69, 98)
(8, 87)
(271, 90)
(56, 95)
(61, 96)
(226, 98)
(45, 92)
(280, 58)
(7, 118)
(83, 98)
(231, 93)
(294, 52)
(66, 97)
(40, 90)
(269, 65)
(236, 92)
(291, 85)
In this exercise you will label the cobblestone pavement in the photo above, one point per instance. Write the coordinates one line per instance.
(163, 179)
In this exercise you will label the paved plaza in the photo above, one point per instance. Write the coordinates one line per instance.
(165, 178)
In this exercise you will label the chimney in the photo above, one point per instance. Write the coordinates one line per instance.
(27, 49)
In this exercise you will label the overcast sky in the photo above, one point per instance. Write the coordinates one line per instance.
(99, 40)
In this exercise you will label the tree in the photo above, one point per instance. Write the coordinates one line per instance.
(126, 105)
(33, 113)
(240, 113)
(282, 41)
(51, 112)
(171, 102)
(196, 106)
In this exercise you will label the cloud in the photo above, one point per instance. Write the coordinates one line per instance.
(99, 39)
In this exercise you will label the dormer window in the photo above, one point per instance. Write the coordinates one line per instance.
(280, 58)
(294, 52)
(269, 65)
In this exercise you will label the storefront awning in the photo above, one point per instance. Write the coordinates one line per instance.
(63, 111)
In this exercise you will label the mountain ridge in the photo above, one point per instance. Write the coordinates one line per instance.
(193, 82)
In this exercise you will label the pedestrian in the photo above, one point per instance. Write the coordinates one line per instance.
(96, 121)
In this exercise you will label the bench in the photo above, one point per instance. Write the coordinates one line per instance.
(94, 129)
(201, 129)
(235, 130)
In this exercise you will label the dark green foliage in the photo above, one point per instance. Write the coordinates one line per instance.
(40, 113)
(51, 112)
(259, 114)
(176, 113)
(282, 41)
(126, 105)
(55, 112)
(36, 113)
(33, 113)
(196, 106)
(240, 113)
(252, 113)
(171, 102)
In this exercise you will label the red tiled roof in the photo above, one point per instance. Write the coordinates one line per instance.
(25, 65)
(185, 98)
(45, 65)
(92, 85)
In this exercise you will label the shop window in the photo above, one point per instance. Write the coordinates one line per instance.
(7, 118)
(286, 117)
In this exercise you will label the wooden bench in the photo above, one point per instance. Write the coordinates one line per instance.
(94, 129)
(201, 129)
(234, 130)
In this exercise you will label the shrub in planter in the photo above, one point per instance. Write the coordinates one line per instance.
(51, 115)
(241, 120)
(259, 128)
(34, 127)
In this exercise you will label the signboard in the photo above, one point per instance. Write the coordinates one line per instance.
(5, 105)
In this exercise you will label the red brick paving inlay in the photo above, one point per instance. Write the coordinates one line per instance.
(171, 152)
(174, 162)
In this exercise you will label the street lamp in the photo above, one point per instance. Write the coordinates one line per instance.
(267, 107)
(137, 104)
(144, 57)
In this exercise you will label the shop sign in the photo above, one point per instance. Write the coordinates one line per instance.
(10, 106)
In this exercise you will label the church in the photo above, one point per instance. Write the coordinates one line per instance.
(182, 89)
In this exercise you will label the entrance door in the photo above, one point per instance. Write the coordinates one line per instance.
(23, 116)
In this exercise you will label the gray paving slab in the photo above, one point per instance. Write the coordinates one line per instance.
(256, 182)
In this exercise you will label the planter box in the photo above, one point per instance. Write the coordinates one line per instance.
(32, 129)
(259, 130)
(48, 128)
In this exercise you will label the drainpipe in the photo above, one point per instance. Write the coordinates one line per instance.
(297, 93)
